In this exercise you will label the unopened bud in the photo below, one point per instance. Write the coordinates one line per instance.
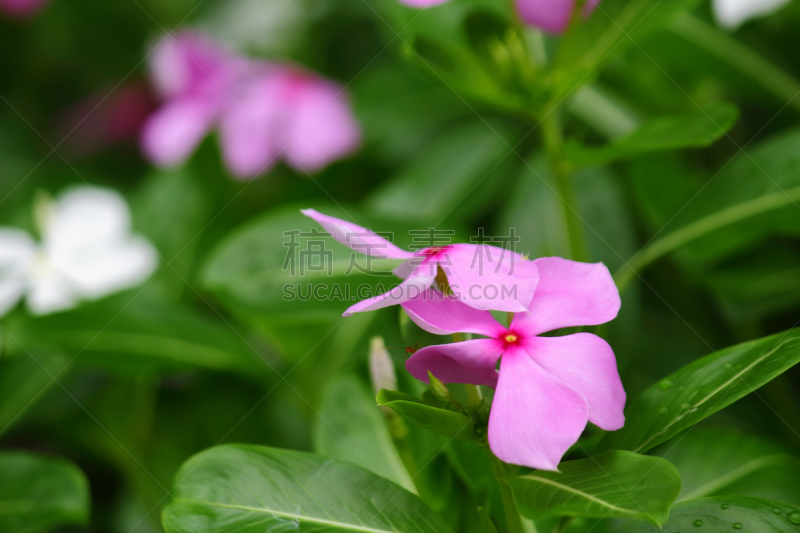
(439, 389)
(381, 367)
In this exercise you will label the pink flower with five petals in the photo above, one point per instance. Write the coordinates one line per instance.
(482, 276)
(547, 388)
(263, 110)
(552, 16)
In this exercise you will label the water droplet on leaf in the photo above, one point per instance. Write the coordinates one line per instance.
(725, 505)
(737, 525)
(665, 384)
(698, 523)
(794, 518)
(776, 511)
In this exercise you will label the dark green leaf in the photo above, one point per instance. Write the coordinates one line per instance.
(614, 26)
(451, 169)
(144, 336)
(610, 485)
(249, 489)
(25, 379)
(39, 493)
(702, 388)
(725, 514)
(667, 133)
(754, 196)
(350, 428)
(442, 421)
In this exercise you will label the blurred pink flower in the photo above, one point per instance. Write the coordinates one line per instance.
(484, 277)
(263, 110)
(552, 16)
(105, 118)
(21, 8)
(547, 388)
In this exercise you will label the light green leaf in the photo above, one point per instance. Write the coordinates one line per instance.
(414, 410)
(39, 493)
(249, 489)
(133, 334)
(719, 461)
(725, 514)
(702, 388)
(697, 129)
(350, 428)
(610, 485)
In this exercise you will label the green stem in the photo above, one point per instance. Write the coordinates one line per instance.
(509, 505)
(702, 227)
(554, 143)
(738, 56)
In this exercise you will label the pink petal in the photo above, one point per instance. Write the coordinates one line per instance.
(444, 315)
(172, 133)
(189, 62)
(470, 362)
(552, 16)
(587, 363)
(410, 288)
(249, 131)
(569, 294)
(422, 3)
(489, 278)
(21, 8)
(320, 126)
(535, 416)
(357, 238)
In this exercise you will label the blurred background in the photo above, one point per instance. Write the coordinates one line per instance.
(205, 349)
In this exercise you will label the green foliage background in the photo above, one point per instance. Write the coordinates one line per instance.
(685, 147)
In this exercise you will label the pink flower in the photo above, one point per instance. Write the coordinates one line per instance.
(22, 8)
(263, 110)
(547, 388)
(105, 118)
(552, 16)
(483, 277)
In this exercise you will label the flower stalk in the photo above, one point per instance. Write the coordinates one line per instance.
(509, 505)
(553, 138)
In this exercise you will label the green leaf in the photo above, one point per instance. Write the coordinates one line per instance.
(39, 493)
(457, 166)
(702, 388)
(725, 514)
(130, 333)
(414, 410)
(718, 461)
(249, 489)
(253, 266)
(614, 26)
(614, 484)
(753, 197)
(697, 129)
(350, 428)
(24, 381)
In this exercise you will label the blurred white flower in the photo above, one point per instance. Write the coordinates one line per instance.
(733, 13)
(87, 252)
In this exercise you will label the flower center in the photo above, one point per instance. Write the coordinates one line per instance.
(434, 251)
(511, 338)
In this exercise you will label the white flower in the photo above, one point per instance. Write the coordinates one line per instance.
(87, 251)
(732, 13)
